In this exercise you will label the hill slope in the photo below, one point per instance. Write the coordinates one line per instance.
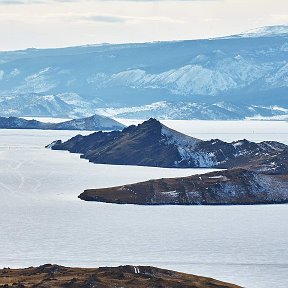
(104, 277)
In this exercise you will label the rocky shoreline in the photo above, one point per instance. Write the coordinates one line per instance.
(55, 276)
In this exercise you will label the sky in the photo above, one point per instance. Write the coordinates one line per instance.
(62, 23)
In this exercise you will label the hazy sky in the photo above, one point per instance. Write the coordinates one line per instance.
(58, 23)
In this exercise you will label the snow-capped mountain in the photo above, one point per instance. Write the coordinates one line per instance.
(247, 70)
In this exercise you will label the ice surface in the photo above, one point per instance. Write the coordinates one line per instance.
(42, 221)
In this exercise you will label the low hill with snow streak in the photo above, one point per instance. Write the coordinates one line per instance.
(230, 187)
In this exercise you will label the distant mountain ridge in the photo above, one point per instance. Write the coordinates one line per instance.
(92, 123)
(247, 70)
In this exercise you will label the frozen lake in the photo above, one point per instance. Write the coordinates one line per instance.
(42, 221)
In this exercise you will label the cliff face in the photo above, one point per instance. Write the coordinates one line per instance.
(153, 144)
(123, 276)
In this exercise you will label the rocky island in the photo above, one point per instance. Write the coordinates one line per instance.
(153, 144)
(92, 123)
(105, 277)
(257, 173)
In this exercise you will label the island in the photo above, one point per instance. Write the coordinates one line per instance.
(92, 123)
(253, 173)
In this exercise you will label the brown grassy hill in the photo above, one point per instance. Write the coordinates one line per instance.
(52, 276)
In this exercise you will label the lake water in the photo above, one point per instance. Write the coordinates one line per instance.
(42, 220)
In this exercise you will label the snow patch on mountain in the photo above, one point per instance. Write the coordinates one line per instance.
(188, 110)
(189, 79)
(266, 31)
(280, 78)
(284, 47)
(185, 144)
(39, 82)
(177, 138)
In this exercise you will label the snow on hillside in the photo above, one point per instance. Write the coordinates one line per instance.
(239, 71)
(267, 31)
(191, 110)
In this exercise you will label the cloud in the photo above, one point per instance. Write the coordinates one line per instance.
(118, 19)
(160, 0)
(15, 2)
(11, 2)
(104, 18)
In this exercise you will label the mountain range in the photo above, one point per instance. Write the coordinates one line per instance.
(231, 77)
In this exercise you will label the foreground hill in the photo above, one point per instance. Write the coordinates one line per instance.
(231, 78)
(153, 144)
(124, 276)
(92, 123)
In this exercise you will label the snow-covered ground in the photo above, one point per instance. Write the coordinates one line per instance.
(42, 221)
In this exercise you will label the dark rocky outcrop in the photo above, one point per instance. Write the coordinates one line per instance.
(124, 276)
(153, 144)
(93, 123)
